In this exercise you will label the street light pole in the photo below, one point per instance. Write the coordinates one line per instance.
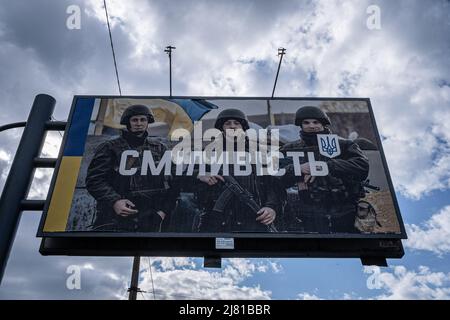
(168, 50)
(281, 53)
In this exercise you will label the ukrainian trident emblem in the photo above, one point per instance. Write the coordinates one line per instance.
(329, 145)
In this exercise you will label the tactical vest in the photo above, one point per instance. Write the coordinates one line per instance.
(323, 190)
(137, 185)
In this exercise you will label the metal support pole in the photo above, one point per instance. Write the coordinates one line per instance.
(45, 162)
(56, 125)
(168, 50)
(32, 205)
(12, 125)
(281, 53)
(19, 177)
(133, 290)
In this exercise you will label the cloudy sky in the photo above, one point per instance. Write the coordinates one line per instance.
(229, 48)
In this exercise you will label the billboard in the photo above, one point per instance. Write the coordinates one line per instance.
(207, 168)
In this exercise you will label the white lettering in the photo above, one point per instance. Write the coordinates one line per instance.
(148, 162)
(74, 280)
(74, 20)
(318, 168)
(374, 20)
(123, 162)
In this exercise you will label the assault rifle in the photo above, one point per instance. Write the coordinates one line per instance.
(233, 188)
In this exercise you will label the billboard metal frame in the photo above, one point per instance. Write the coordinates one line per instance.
(174, 244)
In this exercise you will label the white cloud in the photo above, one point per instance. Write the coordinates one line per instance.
(433, 235)
(40, 183)
(424, 284)
(5, 165)
(307, 296)
(4, 156)
(350, 296)
(276, 268)
(187, 281)
(167, 264)
(398, 283)
(42, 177)
(88, 266)
(52, 144)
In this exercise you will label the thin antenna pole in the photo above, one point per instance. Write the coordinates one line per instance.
(112, 48)
(151, 277)
(168, 50)
(281, 53)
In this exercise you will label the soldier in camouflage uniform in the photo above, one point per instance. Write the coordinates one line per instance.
(136, 202)
(323, 204)
(236, 217)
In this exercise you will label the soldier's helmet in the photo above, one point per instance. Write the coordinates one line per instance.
(231, 114)
(136, 110)
(310, 112)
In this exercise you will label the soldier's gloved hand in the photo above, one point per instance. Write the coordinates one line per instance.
(266, 215)
(305, 168)
(124, 207)
(302, 186)
(309, 179)
(210, 180)
(162, 214)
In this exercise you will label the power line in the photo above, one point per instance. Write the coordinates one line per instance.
(151, 277)
(112, 48)
(53, 118)
(133, 290)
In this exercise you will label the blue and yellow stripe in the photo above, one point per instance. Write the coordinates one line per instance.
(66, 179)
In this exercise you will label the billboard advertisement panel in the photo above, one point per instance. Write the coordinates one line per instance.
(197, 167)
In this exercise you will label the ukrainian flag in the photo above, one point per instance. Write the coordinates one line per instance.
(195, 108)
(66, 179)
(176, 113)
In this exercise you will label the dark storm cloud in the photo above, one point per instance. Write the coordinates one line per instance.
(39, 54)
(40, 27)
